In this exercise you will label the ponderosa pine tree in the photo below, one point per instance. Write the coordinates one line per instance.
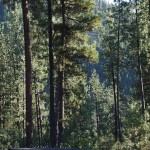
(61, 74)
(88, 107)
(72, 25)
(74, 38)
(28, 66)
(53, 123)
(115, 51)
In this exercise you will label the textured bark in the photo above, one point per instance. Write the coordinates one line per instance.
(61, 77)
(25, 4)
(53, 125)
(23, 122)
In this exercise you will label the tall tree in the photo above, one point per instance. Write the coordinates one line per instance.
(140, 71)
(115, 103)
(53, 124)
(118, 72)
(28, 67)
(73, 22)
(61, 75)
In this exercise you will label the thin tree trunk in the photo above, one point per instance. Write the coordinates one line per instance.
(97, 116)
(61, 76)
(1, 111)
(149, 48)
(61, 108)
(40, 119)
(28, 67)
(57, 103)
(1, 97)
(118, 72)
(23, 102)
(53, 125)
(140, 63)
(37, 117)
(115, 102)
(37, 111)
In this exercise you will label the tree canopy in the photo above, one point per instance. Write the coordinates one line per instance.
(75, 74)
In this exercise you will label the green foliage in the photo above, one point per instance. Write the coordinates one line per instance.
(12, 80)
(89, 103)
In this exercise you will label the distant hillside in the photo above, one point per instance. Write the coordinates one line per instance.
(128, 77)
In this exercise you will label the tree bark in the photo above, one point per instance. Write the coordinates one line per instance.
(61, 76)
(53, 125)
(28, 69)
(118, 72)
(37, 110)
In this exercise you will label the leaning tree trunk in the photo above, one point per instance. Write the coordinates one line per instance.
(25, 4)
(53, 124)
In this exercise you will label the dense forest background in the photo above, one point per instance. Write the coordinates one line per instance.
(75, 74)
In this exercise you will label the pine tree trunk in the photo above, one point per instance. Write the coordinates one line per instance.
(115, 102)
(97, 116)
(140, 63)
(53, 125)
(61, 76)
(61, 108)
(23, 102)
(37, 111)
(0, 115)
(25, 4)
(149, 48)
(118, 72)
(40, 120)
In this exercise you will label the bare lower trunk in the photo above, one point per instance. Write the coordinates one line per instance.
(118, 72)
(61, 75)
(141, 83)
(61, 108)
(40, 119)
(37, 111)
(25, 4)
(53, 125)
